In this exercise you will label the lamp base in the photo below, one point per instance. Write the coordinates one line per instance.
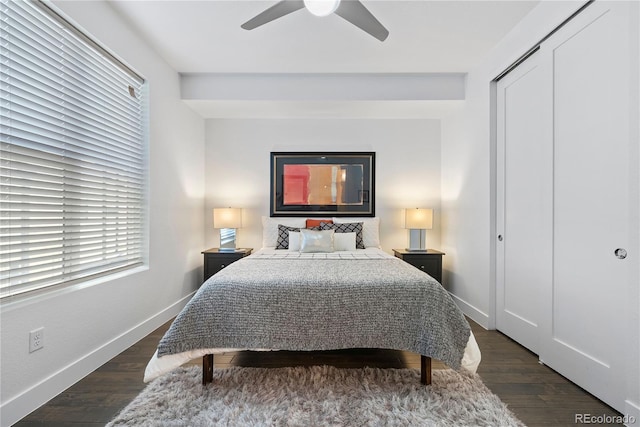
(416, 250)
(228, 239)
(417, 240)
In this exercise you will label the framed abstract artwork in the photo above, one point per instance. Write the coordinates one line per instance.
(322, 184)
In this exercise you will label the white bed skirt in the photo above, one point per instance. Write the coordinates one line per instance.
(159, 366)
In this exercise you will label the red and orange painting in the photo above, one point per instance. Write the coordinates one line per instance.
(322, 184)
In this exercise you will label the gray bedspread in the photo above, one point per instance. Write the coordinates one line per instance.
(321, 304)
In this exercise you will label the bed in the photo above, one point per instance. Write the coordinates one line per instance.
(294, 300)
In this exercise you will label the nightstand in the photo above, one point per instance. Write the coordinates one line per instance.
(430, 261)
(215, 259)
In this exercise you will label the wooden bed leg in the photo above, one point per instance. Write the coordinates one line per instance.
(425, 370)
(207, 369)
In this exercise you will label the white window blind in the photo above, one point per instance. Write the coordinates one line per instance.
(72, 168)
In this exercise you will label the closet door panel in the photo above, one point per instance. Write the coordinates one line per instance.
(591, 93)
(524, 200)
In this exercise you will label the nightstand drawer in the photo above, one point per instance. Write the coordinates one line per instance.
(430, 261)
(216, 263)
(426, 264)
(216, 259)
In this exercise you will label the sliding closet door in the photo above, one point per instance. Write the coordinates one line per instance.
(565, 173)
(584, 322)
(524, 167)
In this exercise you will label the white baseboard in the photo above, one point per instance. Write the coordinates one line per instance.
(469, 310)
(23, 404)
(632, 412)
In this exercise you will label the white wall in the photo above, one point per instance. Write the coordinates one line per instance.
(407, 167)
(87, 326)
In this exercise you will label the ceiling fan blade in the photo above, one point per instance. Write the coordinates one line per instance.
(356, 13)
(276, 11)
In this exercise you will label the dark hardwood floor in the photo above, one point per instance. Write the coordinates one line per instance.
(535, 393)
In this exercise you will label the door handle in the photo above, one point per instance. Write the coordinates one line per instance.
(500, 237)
(620, 253)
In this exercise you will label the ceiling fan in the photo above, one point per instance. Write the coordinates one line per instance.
(351, 10)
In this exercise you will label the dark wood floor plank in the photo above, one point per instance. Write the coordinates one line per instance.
(534, 392)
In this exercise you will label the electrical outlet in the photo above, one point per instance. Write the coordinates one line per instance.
(36, 339)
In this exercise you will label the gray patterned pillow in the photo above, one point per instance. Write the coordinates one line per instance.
(283, 235)
(350, 227)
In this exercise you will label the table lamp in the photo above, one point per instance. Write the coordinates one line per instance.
(418, 220)
(227, 220)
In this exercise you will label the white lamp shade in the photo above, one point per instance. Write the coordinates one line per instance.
(418, 219)
(321, 7)
(227, 218)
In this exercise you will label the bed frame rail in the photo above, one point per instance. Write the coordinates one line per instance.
(207, 369)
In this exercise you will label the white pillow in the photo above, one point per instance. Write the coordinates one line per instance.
(370, 229)
(316, 240)
(270, 229)
(342, 241)
(294, 241)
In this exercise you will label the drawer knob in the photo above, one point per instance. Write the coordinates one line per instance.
(222, 266)
(422, 267)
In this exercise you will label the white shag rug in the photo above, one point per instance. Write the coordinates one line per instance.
(315, 396)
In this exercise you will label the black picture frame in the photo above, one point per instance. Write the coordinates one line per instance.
(355, 195)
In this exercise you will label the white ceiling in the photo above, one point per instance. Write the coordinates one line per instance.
(425, 37)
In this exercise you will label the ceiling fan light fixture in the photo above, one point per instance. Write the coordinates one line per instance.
(321, 7)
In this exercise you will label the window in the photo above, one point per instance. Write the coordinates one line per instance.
(72, 154)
